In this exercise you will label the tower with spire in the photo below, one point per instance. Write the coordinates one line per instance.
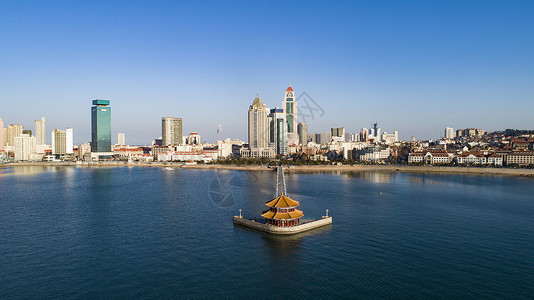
(290, 110)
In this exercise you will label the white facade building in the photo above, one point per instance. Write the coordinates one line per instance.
(62, 141)
(450, 133)
(121, 139)
(390, 138)
(40, 131)
(24, 147)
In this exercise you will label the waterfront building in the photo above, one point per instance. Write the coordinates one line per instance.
(1, 135)
(302, 130)
(172, 131)
(289, 106)
(24, 147)
(101, 126)
(258, 126)
(372, 153)
(40, 131)
(83, 150)
(62, 141)
(278, 131)
(449, 133)
(121, 139)
(13, 131)
(471, 158)
(522, 158)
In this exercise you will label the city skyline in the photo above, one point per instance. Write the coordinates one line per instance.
(415, 67)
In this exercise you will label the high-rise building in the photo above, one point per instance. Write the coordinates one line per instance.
(302, 130)
(24, 147)
(62, 141)
(290, 109)
(258, 126)
(121, 139)
(40, 131)
(338, 132)
(100, 126)
(449, 133)
(1, 134)
(324, 138)
(13, 131)
(278, 131)
(172, 131)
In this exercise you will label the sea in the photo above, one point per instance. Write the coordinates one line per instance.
(167, 233)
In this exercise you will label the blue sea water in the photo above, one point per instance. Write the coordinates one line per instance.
(68, 232)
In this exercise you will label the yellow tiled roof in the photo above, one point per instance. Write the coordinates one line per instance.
(283, 216)
(282, 201)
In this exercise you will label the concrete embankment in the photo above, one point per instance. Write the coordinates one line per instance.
(283, 230)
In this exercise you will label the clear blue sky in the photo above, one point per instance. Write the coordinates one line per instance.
(416, 66)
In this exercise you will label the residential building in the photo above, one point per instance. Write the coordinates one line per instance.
(121, 139)
(338, 132)
(302, 130)
(172, 131)
(13, 131)
(390, 138)
(40, 131)
(101, 126)
(258, 126)
(449, 133)
(323, 138)
(24, 147)
(289, 106)
(1, 135)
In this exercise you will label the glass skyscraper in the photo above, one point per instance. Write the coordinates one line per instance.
(100, 126)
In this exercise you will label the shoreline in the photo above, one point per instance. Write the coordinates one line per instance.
(305, 169)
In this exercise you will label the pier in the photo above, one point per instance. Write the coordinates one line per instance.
(282, 217)
(304, 225)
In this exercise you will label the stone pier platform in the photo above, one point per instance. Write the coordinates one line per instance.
(307, 225)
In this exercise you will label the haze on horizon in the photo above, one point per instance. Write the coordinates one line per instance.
(414, 66)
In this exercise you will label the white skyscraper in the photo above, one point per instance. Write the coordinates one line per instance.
(40, 131)
(449, 133)
(289, 106)
(121, 139)
(62, 141)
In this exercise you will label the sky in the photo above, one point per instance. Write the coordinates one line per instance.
(413, 66)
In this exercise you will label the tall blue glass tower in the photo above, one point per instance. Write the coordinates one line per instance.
(100, 126)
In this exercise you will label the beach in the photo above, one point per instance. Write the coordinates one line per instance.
(303, 168)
